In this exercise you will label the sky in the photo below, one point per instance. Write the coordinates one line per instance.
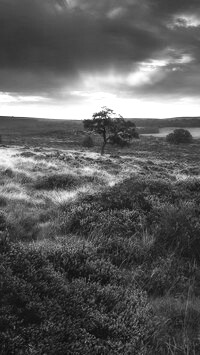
(68, 58)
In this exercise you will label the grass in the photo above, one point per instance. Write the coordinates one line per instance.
(99, 255)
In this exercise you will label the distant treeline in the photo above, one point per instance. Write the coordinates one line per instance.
(167, 122)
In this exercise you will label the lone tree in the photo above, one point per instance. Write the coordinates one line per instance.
(113, 129)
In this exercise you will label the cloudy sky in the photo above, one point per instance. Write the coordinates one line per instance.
(68, 58)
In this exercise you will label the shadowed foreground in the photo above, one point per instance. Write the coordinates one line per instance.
(100, 255)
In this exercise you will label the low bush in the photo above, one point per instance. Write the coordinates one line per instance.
(27, 154)
(116, 233)
(59, 181)
(77, 260)
(177, 228)
(22, 225)
(9, 173)
(134, 192)
(62, 181)
(166, 275)
(3, 221)
(189, 185)
(178, 136)
(178, 323)
(3, 201)
(43, 312)
(88, 142)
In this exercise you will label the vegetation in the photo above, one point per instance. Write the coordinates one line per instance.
(88, 142)
(148, 130)
(114, 130)
(100, 255)
(168, 122)
(179, 136)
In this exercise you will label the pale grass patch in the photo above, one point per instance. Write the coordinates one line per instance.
(108, 178)
(33, 165)
(180, 177)
(7, 158)
(47, 230)
(94, 155)
(184, 177)
(10, 159)
(60, 197)
(15, 192)
(21, 196)
(33, 169)
(147, 239)
(11, 187)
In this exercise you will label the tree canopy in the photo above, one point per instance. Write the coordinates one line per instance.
(113, 128)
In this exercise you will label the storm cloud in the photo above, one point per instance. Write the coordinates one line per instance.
(131, 47)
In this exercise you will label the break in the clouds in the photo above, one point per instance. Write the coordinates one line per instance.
(69, 57)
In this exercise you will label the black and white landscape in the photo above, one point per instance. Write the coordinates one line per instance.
(99, 177)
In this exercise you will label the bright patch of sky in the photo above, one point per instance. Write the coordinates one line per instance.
(185, 21)
(9, 98)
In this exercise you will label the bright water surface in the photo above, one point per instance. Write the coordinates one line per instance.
(195, 131)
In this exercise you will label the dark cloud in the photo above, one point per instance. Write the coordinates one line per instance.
(46, 44)
(38, 34)
(169, 7)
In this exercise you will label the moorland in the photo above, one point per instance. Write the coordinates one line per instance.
(98, 254)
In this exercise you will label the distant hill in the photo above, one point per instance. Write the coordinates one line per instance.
(39, 126)
(34, 126)
(167, 122)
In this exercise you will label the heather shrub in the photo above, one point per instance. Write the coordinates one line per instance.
(88, 142)
(178, 323)
(178, 136)
(91, 219)
(116, 233)
(3, 201)
(191, 186)
(119, 208)
(9, 173)
(135, 192)
(81, 261)
(118, 198)
(57, 181)
(111, 222)
(166, 276)
(177, 228)
(71, 217)
(3, 221)
(122, 252)
(63, 181)
(27, 154)
(43, 312)
(22, 225)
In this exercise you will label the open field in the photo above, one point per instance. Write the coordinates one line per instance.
(99, 255)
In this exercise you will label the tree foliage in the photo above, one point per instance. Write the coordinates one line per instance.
(178, 136)
(113, 129)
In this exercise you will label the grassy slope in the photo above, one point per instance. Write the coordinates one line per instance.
(99, 255)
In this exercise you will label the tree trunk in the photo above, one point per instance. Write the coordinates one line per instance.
(104, 142)
(103, 148)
